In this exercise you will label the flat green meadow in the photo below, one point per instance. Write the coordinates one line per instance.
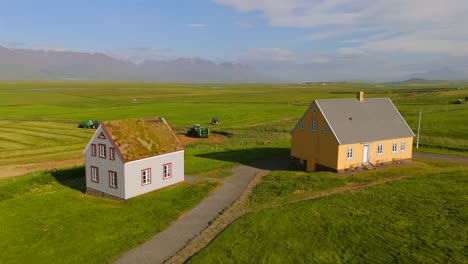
(46, 217)
(38, 119)
(419, 219)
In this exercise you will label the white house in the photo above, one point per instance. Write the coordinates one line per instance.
(126, 158)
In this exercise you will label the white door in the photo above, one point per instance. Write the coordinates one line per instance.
(365, 153)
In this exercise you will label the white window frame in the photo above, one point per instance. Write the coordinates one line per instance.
(403, 146)
(112, 153)
(394, 147)
(93, 150)
(146, 176)
(314, 126)
(349, 153)
(167, 171)
(113, 180)
(94, 174)
(380, 149)
(102, 151)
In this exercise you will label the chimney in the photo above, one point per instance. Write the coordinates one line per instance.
(360, 96)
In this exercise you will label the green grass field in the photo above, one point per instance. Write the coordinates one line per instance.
(280, 187)
(420, 219)
(46, 218)
(38, 119)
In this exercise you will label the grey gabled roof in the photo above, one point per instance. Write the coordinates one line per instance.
(373, 119)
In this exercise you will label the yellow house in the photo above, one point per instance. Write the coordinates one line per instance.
(338, 134)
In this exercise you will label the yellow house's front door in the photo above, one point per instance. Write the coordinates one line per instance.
(365, 153)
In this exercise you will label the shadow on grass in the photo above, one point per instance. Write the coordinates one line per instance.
(73, 177)
(261, 158)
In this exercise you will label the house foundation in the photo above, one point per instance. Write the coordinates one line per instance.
(101, 194)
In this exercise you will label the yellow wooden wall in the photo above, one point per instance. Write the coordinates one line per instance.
(320, 148)
(386, 156)
(315, 147)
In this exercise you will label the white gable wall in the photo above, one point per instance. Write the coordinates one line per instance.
(104, 165)
(133, 170)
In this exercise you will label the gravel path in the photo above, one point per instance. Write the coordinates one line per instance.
(170, 241)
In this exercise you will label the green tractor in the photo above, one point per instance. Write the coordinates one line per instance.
(86, 124)
(89, 124)
(197, 131)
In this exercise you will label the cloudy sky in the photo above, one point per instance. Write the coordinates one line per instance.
(299, 40)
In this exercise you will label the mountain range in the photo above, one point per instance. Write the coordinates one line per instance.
(445, 73)
(27, 64)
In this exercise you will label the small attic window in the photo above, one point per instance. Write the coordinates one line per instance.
(314, 126)
(302, 125)
(102, 135)
(314, 110)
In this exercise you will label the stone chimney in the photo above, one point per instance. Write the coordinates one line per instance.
(360, 96)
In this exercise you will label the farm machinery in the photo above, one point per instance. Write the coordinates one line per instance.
(89, 124)
(215, 121)
(197, 131)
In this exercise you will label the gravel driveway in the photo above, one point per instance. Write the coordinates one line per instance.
(168, 242)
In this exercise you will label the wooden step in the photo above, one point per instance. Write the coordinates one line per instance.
(368, 166)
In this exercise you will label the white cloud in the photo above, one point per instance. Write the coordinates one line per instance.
(53, 48)
(150, 49)
(416, 26)
(197, 25)
(351, 64)
(282, 55)
(12, 44)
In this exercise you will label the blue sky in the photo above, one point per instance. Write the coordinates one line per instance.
(298, 39)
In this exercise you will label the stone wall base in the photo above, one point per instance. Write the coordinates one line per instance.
(101, 194)
(378, 165)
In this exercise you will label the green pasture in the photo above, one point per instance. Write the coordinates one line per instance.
(419, 219)
(281, 186)
(46, 218)
(29, 142)
(38, 119)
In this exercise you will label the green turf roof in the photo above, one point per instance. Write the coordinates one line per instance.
(142, 138)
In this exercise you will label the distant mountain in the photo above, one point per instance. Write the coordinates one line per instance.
(25, 64)
(439, 74)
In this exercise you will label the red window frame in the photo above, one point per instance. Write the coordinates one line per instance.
(148, 176)
(93, 150)
(97, 174)
(167, 175)
(111, 153)
(116, 180)
(102, 136)
(105, 151)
